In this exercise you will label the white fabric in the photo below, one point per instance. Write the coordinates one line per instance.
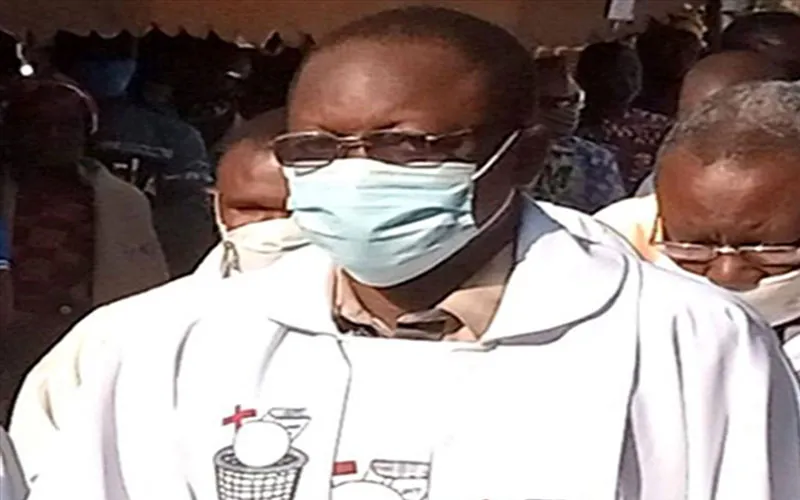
(47, 395)
(12, 482)
(792, 350)
(776, 299)
(51, 385)
(384, 393)
(252, 246)
(600, 377)
(648, 186)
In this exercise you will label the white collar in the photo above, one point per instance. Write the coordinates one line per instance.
(559, 279)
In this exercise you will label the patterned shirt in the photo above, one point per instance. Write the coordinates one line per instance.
(635, 138)
(580, 174)
(53, 244)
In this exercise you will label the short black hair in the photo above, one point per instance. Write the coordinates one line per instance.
(610, 73)
(666, 52)
(753, 118)
(768, 33)
(60, 98)
(509, 67)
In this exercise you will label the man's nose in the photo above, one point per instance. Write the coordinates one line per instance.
(354, 151)
(734, 273)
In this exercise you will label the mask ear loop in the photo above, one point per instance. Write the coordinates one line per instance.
(503, 208)
(510, 140)
(230, 256)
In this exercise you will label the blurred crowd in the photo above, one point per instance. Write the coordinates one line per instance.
(130, 162)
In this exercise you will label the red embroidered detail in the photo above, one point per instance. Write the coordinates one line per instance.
(238, 416)
(345, 468)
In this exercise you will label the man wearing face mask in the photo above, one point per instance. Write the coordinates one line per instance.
(578, 173)
(724, 198)
(387, 359)
(161, 155)
(250, 203)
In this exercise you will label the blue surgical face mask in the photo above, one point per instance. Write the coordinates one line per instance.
(106, 78)
(386, 224)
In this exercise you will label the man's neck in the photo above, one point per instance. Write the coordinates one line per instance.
(424, 292)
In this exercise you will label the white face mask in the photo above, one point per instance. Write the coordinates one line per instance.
(257, 245)
(776, 298)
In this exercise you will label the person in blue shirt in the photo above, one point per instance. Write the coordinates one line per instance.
(162, 155)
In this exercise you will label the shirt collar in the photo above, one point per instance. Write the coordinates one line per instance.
(472, 306)
(558, 279)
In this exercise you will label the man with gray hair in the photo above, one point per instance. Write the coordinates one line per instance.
(725, 207)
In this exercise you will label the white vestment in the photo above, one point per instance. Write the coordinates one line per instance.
(635, 219)
(51, 384)
(12, 482)
(600, 377)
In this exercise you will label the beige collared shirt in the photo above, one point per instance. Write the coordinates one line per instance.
(464, 315)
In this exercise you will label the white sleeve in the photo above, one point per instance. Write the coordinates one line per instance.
(81, 460)
(754, 417)
(211, 265)
(715, 412)
(12, 482)
(49, 389)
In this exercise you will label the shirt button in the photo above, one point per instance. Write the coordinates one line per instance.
(65, 310)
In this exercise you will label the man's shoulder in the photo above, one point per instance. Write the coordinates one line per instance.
(154, 304)
(665, 297)
(630, 211)
(697, 312)
(170, 126)
(585, 227)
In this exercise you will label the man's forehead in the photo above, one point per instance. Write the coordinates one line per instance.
(772, 168)
(364, 85)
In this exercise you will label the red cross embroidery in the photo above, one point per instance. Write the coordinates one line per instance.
(345, 468)
(238, 416)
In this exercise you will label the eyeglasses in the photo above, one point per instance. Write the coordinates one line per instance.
(697, 253)
(318, 149)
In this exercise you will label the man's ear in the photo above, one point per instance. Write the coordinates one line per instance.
(533, 148)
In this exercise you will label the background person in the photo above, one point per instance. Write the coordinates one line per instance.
(252, 214)
(611, 75)
(666, 53)
(714, 73)
(160, 154)
(578, 173)
(776, 35)
(427, 260)
(79, 236)
(252, 217)
(724, 207)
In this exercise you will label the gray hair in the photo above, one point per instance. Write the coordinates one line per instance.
(746, 119)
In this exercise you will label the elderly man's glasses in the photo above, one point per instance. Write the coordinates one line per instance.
(319, 149)
(697, 253)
